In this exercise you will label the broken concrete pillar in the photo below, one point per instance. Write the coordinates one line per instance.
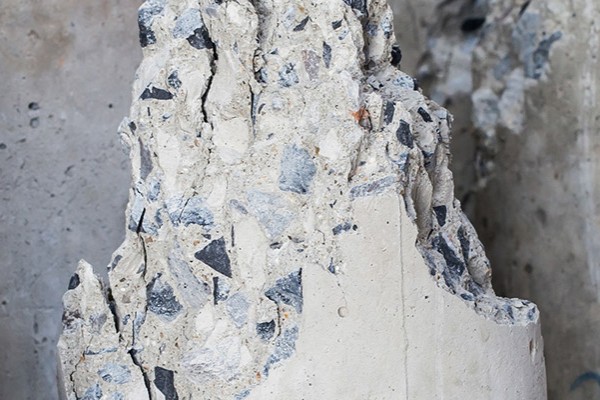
(520, 78)
(292, 228)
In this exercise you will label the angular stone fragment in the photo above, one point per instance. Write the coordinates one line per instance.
(346, 226)
(404, 135)
(191, 211)
(301, 25)
(187, 23)
(220, 290)
(288, 290)
(215, 256)
(272, 212)
(396, 56)
(191, 27)
(297, 170)
(89, 347)
(424, 114)
(161, 299)
(266, 330)
(237, 308)
(194, 291)
(372, 188)
(146, 15)
(156, 93)
(93, 393)
(200, 39)
(74, 282)
(115, 373)
(285, 346)
(173, 80)
(535, 67)
(388, 113)
(440, 214)
(327, 54)
(358, 5)
(164, 380)
(146, 161)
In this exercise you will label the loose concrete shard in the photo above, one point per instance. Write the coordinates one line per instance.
(292, 228)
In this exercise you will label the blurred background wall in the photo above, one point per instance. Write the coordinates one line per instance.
(525, 151)
(66, 68)
(521, 79)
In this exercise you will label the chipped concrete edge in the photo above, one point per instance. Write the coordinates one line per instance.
(168, 226)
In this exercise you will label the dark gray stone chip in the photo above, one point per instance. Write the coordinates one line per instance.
(326, 54)
(288, 290)
(346, 226)
(358, 5)
(74, 281)
(156, 93)
(145, 160)
(200, 39)
(215, 256)
(173, 80)
(440, 214)
(388, 112)
(164, 380)
(161, 300)
(220, 290)
(265, 330)
(455, 266)
(396, 55)
(301, 25)
(404, 135)
(424, 114)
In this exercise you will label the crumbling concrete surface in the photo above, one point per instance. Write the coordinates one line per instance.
(292, 227)
(521, 80)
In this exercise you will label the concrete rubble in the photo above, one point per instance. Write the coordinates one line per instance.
(292, 226)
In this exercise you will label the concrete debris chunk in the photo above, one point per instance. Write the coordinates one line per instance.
(291, 171)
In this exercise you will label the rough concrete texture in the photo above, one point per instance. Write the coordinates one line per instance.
(520, 78)
(67, 67)
(291, 221)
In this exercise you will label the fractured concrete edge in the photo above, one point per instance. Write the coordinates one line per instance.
(252, 161)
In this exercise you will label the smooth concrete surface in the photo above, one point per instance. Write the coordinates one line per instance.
(439, 348)
(67, 68)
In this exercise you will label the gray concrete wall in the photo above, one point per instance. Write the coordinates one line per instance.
(66, 69)
(540, 212)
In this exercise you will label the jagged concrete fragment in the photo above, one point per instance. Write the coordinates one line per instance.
(520, 78)
(94, 361)
(290, 169)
